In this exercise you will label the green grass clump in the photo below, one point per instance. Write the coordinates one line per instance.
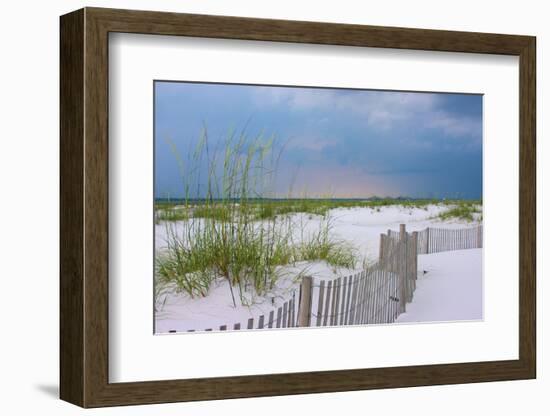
(337, 254)
(463, 210)
(266, 211)
(218, 212)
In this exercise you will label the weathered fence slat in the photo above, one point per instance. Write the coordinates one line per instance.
(327, 303)
(332, 304)
(343, 301)
(366, 300)
(384, 298)
(320, 302)
(348, 300)
(357, 312)
(372, 297)
(368, 295)
(336, 301)
(379, 298)
(353, 300)
(304, 308)
(291, 315)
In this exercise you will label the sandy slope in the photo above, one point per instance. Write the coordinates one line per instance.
(450, 290)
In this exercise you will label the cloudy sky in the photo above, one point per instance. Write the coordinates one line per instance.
(346, 143)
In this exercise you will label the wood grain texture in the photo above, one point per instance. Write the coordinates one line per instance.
(226, 27)
(71, 99)
(527, 208)
(84, 218)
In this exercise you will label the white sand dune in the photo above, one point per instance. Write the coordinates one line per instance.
(450, 290)
(447, 274)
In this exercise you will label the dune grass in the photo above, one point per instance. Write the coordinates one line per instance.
(463, 210)
(262, 209)
(234, 233)
(322, 246)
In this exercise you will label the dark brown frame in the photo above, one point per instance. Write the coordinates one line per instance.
(84, 209)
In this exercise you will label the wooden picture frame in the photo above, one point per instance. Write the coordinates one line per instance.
(84, 207)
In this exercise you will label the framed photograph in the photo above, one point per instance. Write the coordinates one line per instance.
(254, 207)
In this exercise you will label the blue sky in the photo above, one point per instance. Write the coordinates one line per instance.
(339, 142)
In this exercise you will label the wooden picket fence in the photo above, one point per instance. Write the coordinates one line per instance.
(376, 295)
(282, 317)
(435, 240)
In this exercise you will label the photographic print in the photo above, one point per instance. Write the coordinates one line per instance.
(295, 207)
